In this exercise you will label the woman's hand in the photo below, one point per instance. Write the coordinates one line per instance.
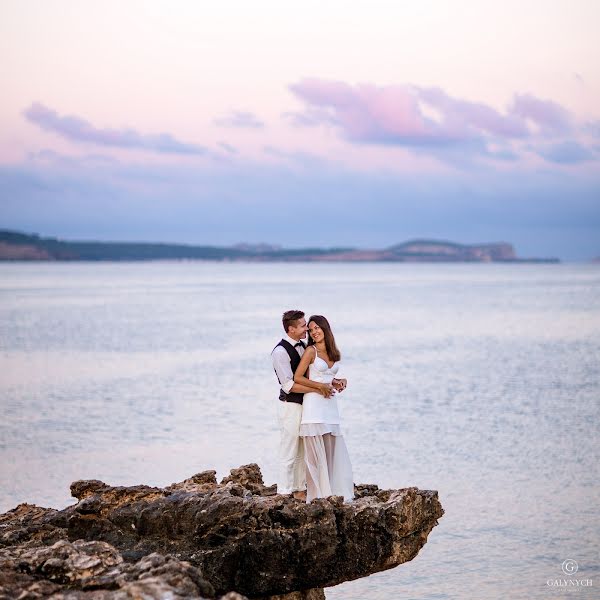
(339, 384)
(326, 390)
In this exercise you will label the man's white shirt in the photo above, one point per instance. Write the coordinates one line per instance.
(282, 365)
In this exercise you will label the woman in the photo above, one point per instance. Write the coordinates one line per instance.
(328, 467)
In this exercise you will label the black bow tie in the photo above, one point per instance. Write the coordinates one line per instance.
(299, 344)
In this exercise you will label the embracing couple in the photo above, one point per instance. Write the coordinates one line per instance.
(313, 458)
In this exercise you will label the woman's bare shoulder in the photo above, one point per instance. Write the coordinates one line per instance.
(312, 353)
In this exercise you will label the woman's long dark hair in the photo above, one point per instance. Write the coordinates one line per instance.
(332, 350)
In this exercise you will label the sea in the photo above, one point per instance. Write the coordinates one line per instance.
(480, 381)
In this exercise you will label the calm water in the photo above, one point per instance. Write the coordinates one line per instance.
(479, 381)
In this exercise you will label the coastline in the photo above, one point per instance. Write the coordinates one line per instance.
(17, 246)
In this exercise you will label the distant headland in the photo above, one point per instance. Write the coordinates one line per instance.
(17, 246)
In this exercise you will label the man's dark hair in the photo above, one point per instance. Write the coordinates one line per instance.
(290, 317)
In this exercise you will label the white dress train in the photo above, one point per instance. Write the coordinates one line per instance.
(328, 466)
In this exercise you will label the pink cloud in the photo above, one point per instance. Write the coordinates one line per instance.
(397, 114)
(79, 130)
(365, 112)
(470, 116)
(426, 119)
(549, 115)
(239, 118)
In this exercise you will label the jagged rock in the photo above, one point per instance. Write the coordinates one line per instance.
(94, 570)
(196, 483)
(237, 535)
(250, 478)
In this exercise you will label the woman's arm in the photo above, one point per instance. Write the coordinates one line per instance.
(299, 376)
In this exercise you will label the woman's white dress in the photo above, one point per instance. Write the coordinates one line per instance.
(329, 471)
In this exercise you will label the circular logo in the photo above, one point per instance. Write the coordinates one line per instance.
(570, 566)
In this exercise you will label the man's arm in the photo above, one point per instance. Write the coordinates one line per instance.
(303, 389)
(283, 368)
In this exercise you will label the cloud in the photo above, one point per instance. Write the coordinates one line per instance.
(549, 115)
(296, 157)
(569, 153)
(427, 119)
(53, 158)
(240, 119)
(367, 113)
(228, 148)
(592, 128)
(76, 129)
(471, 119)
(402, 114)
(309, 118)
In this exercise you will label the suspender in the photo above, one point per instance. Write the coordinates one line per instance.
(295, 397)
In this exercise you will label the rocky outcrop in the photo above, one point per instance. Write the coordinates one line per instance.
(440, 251)
(199, 538)
(22, 252)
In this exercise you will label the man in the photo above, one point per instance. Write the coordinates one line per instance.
(286, 358)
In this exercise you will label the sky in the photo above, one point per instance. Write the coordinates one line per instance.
(355, 124)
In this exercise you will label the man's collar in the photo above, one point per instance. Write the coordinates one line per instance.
(292, 341)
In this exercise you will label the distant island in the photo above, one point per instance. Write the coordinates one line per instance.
(17, 246)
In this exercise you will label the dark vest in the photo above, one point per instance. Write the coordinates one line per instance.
(294, 362)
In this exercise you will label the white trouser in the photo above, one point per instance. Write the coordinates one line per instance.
(292, 470)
